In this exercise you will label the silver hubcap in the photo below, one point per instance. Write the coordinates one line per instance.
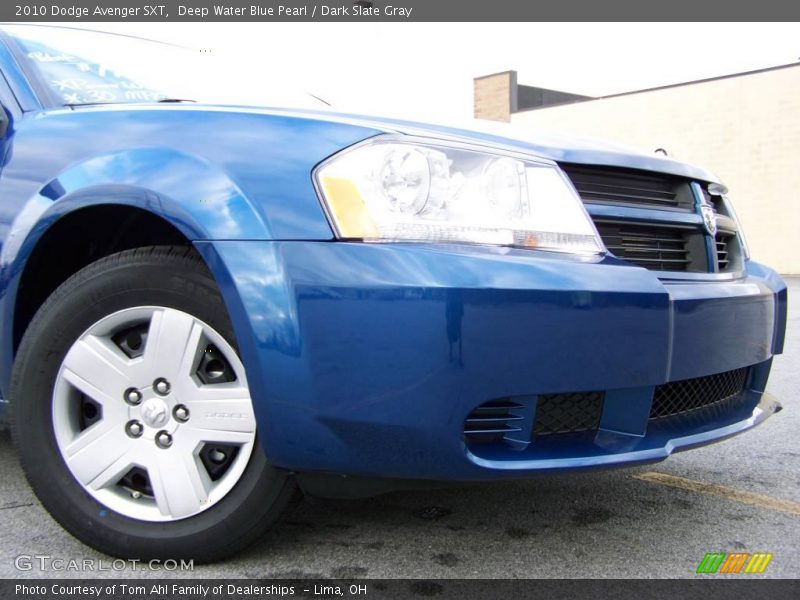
(144, 424)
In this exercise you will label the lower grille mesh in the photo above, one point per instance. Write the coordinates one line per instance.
(680, 397)
(515, 421)
(568, 413)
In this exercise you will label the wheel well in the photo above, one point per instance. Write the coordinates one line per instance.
(78, 239)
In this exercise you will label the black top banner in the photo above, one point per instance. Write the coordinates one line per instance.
(400, 10)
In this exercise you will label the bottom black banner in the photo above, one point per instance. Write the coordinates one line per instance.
(457, 589)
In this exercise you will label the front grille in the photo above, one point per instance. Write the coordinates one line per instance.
(494, 420)
(723, 259)
(568, 413)
(608, 185)
(679, 397)
(656, 247)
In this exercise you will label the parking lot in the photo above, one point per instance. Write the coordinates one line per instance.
(742, 495)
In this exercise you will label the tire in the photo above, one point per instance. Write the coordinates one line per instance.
(88, 400)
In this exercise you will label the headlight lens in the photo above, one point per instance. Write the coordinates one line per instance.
(398, 190)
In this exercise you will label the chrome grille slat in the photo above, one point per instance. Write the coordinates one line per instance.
(723, 260)
(647, 249)
(593, 194)
(499, 418)
(492, 421)
(491, 430)
(497, 406)
(641, 239)
(658, 260)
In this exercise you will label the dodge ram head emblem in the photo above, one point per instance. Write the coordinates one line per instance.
(155, 412)
(709, 219)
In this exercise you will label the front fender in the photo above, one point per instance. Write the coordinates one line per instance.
(197, 198)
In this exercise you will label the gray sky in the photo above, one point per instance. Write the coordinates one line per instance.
(425, 70)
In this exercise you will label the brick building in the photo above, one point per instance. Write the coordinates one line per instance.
(743, 127)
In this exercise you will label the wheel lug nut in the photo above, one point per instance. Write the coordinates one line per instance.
(134, 429)
(181, 413)
(163, 439)
(133, 396)
(161, 386)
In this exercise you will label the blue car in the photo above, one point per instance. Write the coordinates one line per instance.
(204, 307)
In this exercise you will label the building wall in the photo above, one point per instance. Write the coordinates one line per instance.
(495, 96)
(746, 129)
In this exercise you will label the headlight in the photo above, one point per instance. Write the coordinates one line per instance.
(393, 189)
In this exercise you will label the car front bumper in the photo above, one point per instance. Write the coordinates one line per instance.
(368, 358)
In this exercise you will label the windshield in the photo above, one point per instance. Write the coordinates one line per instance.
(88, 67)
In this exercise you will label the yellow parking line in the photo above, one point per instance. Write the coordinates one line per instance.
(722, 491)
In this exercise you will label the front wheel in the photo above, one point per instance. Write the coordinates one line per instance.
(132, 415)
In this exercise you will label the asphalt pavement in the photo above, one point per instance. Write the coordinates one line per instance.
(742, 495)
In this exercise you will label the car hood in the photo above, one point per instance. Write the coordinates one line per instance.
(554, 146)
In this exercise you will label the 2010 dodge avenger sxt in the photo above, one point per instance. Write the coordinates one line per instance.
(203, 306)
